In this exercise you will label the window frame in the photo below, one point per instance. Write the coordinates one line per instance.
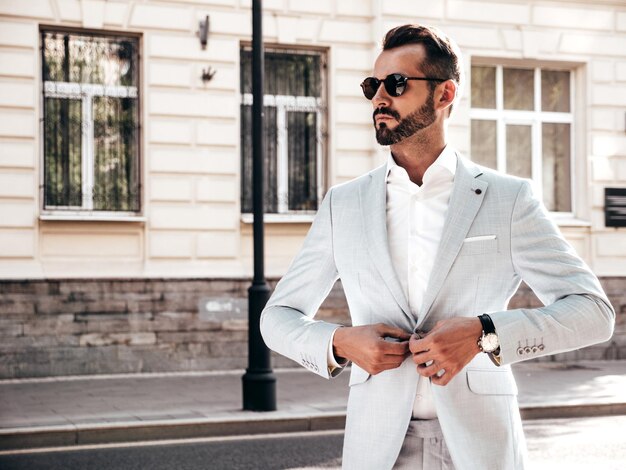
(285, 104)
(80, 91)
(533, 118)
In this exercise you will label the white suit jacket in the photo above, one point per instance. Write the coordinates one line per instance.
(478, 409)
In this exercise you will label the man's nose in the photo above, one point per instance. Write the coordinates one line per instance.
(381, 98)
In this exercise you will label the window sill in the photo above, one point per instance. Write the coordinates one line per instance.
(91, 217)
(570, 222)
(305, 218)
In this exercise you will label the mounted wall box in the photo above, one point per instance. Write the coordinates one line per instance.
(615, 207)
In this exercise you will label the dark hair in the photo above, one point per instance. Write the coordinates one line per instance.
(443, 58)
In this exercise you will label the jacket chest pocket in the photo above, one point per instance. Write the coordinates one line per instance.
(479, 246)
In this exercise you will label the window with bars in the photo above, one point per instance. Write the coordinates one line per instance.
(293, 122)
(90, 122)
(521, 124)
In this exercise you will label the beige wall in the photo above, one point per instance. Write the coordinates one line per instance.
(191, 223)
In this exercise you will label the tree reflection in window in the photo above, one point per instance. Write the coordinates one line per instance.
(91, 122)
(293, 120)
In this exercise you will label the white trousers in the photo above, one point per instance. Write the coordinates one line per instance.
(424, 448)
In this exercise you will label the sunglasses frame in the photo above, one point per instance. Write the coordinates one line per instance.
(391, 87)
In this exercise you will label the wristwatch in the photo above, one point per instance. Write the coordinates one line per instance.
(488, 341)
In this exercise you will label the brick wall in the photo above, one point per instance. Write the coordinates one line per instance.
(67, 327)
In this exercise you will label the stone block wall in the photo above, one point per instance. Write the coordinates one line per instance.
(66, 327)
(74, 327)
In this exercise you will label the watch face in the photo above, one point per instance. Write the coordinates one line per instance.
(490, 342)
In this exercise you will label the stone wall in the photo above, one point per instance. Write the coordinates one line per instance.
(67, 327)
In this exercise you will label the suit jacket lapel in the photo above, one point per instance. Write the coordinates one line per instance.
(373, 201)
(466, 198)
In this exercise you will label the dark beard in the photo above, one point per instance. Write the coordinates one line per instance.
(416, 121)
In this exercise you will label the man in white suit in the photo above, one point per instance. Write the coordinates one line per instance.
(430, 248)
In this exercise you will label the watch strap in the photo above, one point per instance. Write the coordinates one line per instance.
(487, 323)
(489, 327)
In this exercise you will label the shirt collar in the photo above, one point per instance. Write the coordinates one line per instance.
(446, 160)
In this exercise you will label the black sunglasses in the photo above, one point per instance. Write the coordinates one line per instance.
(395, 84)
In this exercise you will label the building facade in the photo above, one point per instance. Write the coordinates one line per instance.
(125, 161)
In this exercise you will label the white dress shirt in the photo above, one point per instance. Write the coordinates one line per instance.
(415, 218)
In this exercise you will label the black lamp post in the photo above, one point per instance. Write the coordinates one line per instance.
(259, 382)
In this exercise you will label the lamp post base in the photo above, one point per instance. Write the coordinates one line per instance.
(259, 382)
(259, 390)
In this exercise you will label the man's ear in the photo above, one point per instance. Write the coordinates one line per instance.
(448, 93)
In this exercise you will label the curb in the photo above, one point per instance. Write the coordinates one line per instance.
(572, 411)
(101, 433)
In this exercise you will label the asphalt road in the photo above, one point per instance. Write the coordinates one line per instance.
(557, 444)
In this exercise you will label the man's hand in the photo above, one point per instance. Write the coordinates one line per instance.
(366, 346)
(451, 345)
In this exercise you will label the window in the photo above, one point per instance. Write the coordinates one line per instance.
(293, 119)
(90, 122)
(521, 123)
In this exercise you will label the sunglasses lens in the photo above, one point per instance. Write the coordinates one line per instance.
(395, 84)
(370, 87)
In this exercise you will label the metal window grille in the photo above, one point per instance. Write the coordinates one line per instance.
(522, 123)
(294, 118)
(90, 122)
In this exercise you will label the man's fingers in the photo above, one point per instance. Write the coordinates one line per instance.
(394, 340)
(392, 364)
(422, 357)
(429, 370)
(395, 348)
(388, 330)
(381, 366)
(418, 345)
(443, 379)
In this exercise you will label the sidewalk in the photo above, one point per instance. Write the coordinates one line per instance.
(65, 411)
